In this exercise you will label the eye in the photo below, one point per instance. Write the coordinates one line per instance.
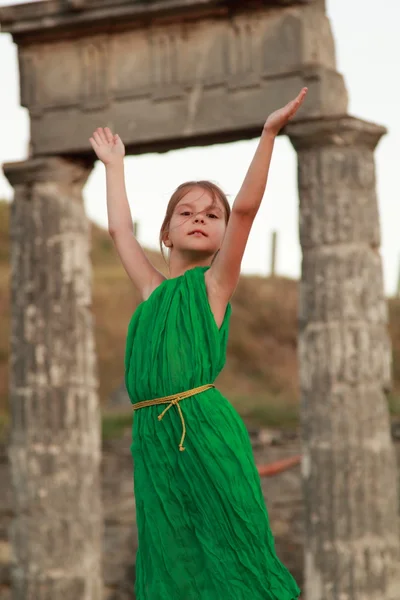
(185, 213)
(213, 216)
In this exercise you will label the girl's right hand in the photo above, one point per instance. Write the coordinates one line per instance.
(108, 147)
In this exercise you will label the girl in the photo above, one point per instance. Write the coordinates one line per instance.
(203, 527)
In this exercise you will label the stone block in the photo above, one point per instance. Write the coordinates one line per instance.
(191, 80)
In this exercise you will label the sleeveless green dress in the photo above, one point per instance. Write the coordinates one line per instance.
(203, 528)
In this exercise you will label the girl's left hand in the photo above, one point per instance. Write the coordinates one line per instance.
(281, 117)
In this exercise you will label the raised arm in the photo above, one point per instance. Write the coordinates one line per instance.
(223, 275)
(110, 150)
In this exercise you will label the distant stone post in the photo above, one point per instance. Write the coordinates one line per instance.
(274, 244)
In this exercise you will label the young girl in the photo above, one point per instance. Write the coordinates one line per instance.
(203, 527)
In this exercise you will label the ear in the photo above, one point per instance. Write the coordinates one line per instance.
(167, 242)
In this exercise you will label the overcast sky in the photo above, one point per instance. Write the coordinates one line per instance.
(368, 52)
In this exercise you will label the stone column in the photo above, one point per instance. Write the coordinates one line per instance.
(55, 440)
(349, 466)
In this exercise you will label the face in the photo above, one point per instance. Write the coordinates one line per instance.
(197, 225)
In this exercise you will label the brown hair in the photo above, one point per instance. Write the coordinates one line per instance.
(212, 188)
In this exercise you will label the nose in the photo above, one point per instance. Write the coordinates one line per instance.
(199, 218)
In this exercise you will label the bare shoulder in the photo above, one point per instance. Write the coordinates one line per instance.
(217, 298)
(156, 280)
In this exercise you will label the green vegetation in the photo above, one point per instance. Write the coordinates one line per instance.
(4, 426)
(394, 405)
(114, 425)
(268, 412)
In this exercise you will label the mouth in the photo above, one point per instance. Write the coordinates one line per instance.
(197, 232)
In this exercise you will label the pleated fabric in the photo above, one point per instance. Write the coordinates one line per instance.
(203, 527)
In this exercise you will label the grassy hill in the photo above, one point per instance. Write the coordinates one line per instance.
(260, 376)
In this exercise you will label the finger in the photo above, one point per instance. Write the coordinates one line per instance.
(93, 143)
(293, 113)
(295, 104)
(299, 99)
(102, 135)
(97, 138)
(301, 96)
(290, 109)
(108, 134)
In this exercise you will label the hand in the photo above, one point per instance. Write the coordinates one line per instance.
(281, 117)
(108, 147)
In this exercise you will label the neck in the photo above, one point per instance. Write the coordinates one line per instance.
(179, 264)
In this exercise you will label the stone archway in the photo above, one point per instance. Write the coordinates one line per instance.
(171, 74)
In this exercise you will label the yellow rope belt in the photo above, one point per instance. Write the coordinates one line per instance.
(174, 400)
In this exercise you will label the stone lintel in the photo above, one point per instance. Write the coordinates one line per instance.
(340, 131)
(57, 15)
(174, 84)
(202, 114)
(44, 170)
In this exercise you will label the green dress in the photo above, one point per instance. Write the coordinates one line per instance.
(203, 528)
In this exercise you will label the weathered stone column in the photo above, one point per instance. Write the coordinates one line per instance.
(55, 439)
(349, 467)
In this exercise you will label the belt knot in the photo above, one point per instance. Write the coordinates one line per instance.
(173, 400)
